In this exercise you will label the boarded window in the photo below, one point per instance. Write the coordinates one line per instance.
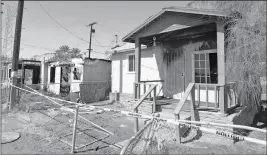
(131, 63)
(52, 74)
(77, 74)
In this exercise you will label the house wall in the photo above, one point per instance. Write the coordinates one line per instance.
(54, 87)
(151, 66)
(75, 84)
(96, 70)
(44, 74)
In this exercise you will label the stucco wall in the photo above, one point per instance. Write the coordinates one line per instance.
(54, 87)
(151, 65)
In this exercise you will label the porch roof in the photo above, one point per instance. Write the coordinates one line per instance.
(215, 13)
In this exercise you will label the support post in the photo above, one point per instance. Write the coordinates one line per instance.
(16, 50)
(154, 99)
(134, 91)
(136, 124)
(193, 107)
(221, 66)
(137, 60)
(178, 132)
(74, 129)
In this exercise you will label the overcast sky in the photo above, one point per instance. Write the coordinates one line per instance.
(113, 17)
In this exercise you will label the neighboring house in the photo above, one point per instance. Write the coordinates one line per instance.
(183, 45)
(66, 76)
(29, 72)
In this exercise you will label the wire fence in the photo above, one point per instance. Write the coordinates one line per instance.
(159, 136)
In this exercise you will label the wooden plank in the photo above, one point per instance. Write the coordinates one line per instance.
(215, 97)
(207, 96)
(154, 100)
(193, 108)
(144, 96)
(198, 91)
(178, 132)
(182, 101)
(74, 129)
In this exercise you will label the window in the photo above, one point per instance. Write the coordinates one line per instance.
(77, 74)
(52, 74)
(131, 63)
(206, 68)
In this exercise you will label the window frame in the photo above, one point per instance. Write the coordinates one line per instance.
(51, 74)
(128, 63)
(194, 68)
(78, 70)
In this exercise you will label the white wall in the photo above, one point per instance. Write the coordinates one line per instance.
(151, 63)
(54, 87)
(75, 84)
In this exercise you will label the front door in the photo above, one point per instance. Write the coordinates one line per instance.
(174, 74)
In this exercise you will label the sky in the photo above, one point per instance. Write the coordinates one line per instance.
(112, 17)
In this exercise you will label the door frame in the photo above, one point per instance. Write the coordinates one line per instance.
(193, 61)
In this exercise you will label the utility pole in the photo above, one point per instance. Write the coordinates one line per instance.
(91, 31)
(16, 49)
(116, 40)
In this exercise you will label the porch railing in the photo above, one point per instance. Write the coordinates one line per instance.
(207, 95)
(196, 88)
(142, 86)
(140, 100)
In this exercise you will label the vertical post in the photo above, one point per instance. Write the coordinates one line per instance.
(178, 132)
(221, 66)
(138, 91)
(198, 91)
(91, 31)
(137, 60)
(149, 93)
(136, 124)
(193, 108)
(207, 96)
(74, 129)
(144, 88)
(154, 100)
(22, 74)
(16, 49)
(215, 96)
(134, 91)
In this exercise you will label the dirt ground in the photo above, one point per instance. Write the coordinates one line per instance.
(42, 135)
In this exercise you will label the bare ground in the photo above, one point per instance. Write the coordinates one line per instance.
(37, 138)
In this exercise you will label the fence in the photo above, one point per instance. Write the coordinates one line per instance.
(158, 136)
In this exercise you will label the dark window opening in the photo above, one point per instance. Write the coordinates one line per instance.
(52, 74)
(77, 74)
(206, 68)
(131, 59)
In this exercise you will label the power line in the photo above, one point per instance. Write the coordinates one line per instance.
(60, 24)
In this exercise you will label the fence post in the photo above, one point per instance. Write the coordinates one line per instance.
(178, 132)
(74, 129)
(136, 124)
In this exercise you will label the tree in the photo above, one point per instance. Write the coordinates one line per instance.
(65, 53)
(245, 45)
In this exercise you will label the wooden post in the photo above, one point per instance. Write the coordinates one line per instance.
(221, 66)
(149, 93)
(178, 132)
(144, 88)
(136, 124)
(16, 49)
(154, 100)
(137, 64)
(134, 91)
(193, 108)
(74, 129)
(138, 91)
